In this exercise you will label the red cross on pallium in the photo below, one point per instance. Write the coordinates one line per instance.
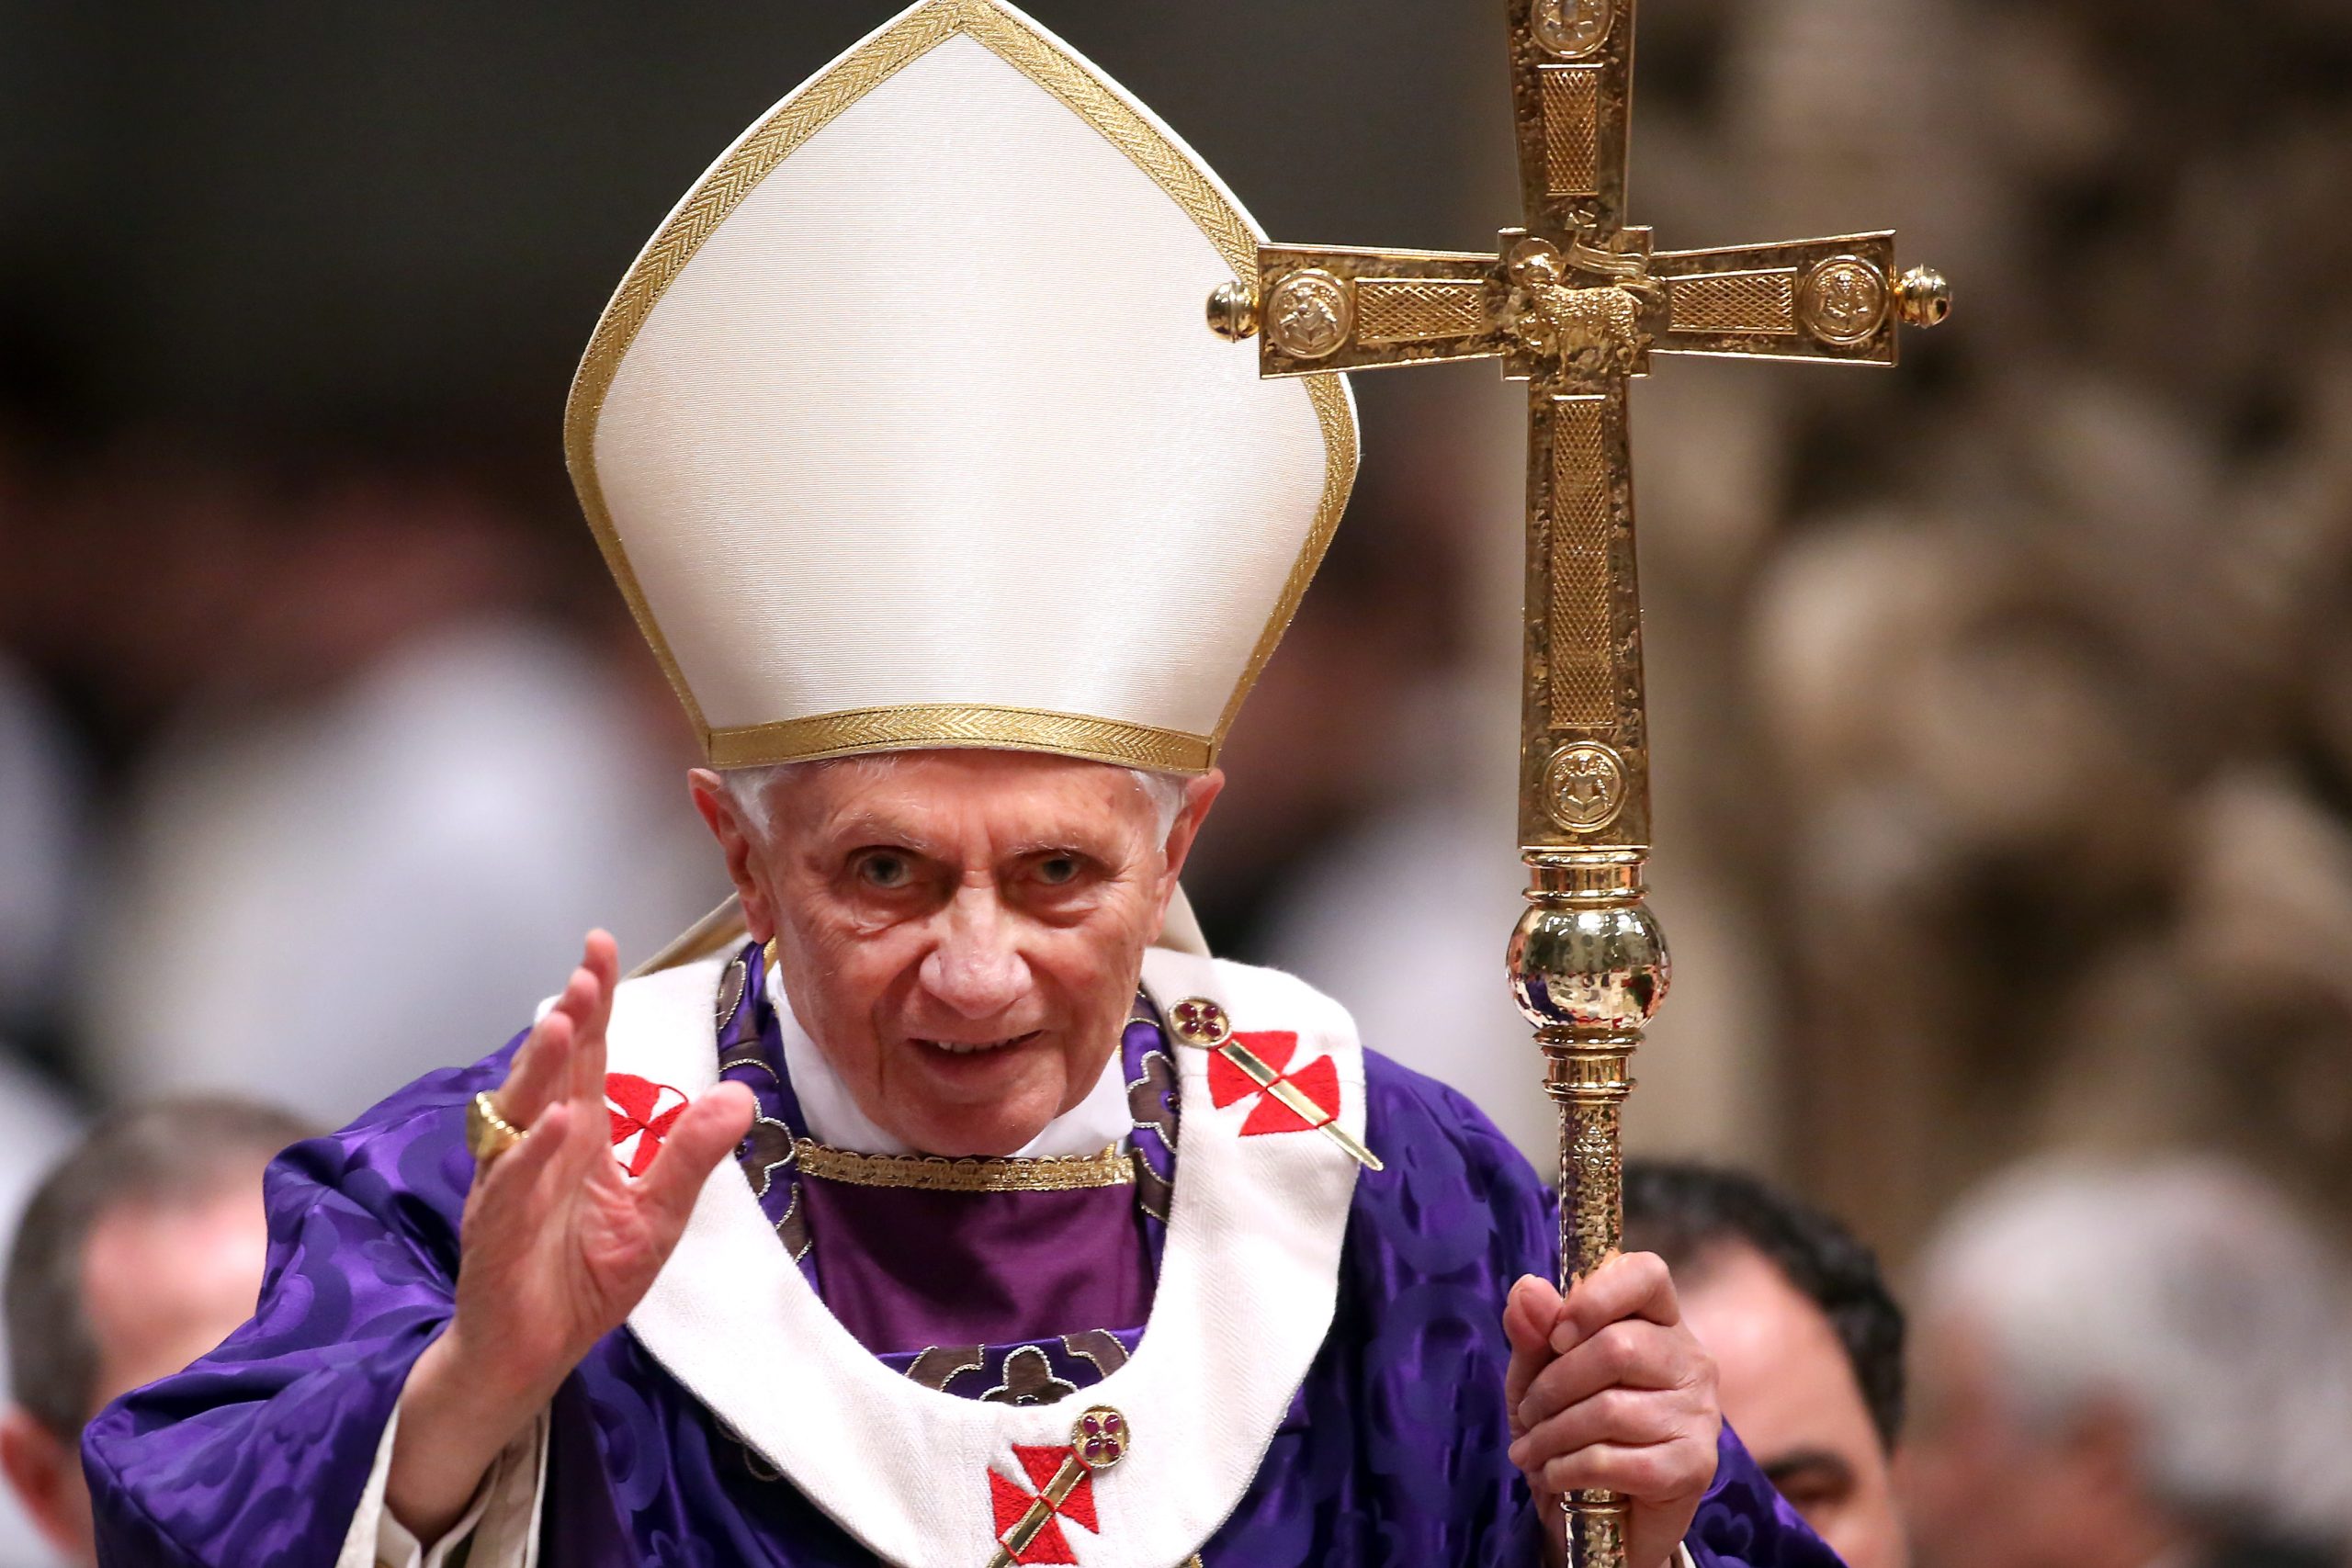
(1049, 1544)
(642, 1113)
(1319, 1081)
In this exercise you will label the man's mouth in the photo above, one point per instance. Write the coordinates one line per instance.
(975, 1047)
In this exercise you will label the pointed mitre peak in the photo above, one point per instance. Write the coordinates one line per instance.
(906, 430)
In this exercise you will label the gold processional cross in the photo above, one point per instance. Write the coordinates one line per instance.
(1574, 304)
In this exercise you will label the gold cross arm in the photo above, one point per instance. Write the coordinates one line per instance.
(1577, 324)
(1574, 302)
(1344, 309)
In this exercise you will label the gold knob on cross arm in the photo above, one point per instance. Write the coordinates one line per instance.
(1233, 311)
(1922, 297)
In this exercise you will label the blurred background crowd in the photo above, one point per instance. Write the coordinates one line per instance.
(2002, 704)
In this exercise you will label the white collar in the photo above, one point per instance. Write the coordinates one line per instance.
(1248, 1286)
(1094, 1124)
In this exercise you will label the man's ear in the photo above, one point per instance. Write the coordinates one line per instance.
(45, 1473)
(736, 845)
(1200, 794)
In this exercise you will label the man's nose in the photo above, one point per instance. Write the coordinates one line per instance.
(974, 967)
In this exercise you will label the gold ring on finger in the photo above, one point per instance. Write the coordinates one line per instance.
(488, 1134)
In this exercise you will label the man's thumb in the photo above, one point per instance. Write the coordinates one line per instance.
(697, 1142)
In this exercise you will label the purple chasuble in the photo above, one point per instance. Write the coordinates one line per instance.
(1393, 1452)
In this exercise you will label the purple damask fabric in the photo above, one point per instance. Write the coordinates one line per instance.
(1391, 1453)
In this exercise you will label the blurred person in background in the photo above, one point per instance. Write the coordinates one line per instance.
(140, 1252)
(406, 742)
(354, 703)
(1807, 1342)
(2127, 1365)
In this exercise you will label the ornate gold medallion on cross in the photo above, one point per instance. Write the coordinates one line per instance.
(1575, 303)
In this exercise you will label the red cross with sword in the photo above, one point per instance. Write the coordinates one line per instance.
(1029, 1525)
(1295, 1099)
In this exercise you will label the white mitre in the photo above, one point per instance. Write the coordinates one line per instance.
(906, 428)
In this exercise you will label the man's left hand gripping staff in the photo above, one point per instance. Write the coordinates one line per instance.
(557, 1247)
(1609, 1390)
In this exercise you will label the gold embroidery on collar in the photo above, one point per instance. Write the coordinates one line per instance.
(936, 1173)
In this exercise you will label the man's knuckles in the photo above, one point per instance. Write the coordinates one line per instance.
(1629, 1416)
(1619, 1288)
(1586, 1316)
(1700, 1375)
(1654, 1473)
(1641, 1473)
(1567, 1379)
(1628, 1352)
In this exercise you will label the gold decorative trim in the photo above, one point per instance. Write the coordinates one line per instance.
(1416, 309)
(1581, 647)
(949, 725)
(1571, 129)
(1122, 122)
(1309, 314)
(939, 1365)
(1099, 1346)
(935, 1173)
(1335, 412)
(1843, 301)
(1572, 28)
(1584, 787)
(731, 985)
(1761, 303)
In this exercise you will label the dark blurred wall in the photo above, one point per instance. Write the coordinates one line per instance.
(263, 207)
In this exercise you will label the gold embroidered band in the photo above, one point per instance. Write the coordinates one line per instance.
(919, 726)
(936, 1173)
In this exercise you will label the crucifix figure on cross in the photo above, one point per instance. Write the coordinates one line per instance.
(1575, 303)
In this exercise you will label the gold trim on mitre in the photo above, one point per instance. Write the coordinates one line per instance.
(951, 724)
(1136, 133)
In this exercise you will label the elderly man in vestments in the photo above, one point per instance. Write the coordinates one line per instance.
(939, 1203)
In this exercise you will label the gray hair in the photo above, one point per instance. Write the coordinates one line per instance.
(750, 787)
(182, 1151)
(2189, 1293)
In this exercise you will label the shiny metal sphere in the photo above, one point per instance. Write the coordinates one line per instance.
(1600, 967)
(1233, 311)
(1923, 297)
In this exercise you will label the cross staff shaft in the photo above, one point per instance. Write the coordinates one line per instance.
(1574, 302)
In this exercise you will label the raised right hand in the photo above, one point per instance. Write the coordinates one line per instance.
(557, 1247)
